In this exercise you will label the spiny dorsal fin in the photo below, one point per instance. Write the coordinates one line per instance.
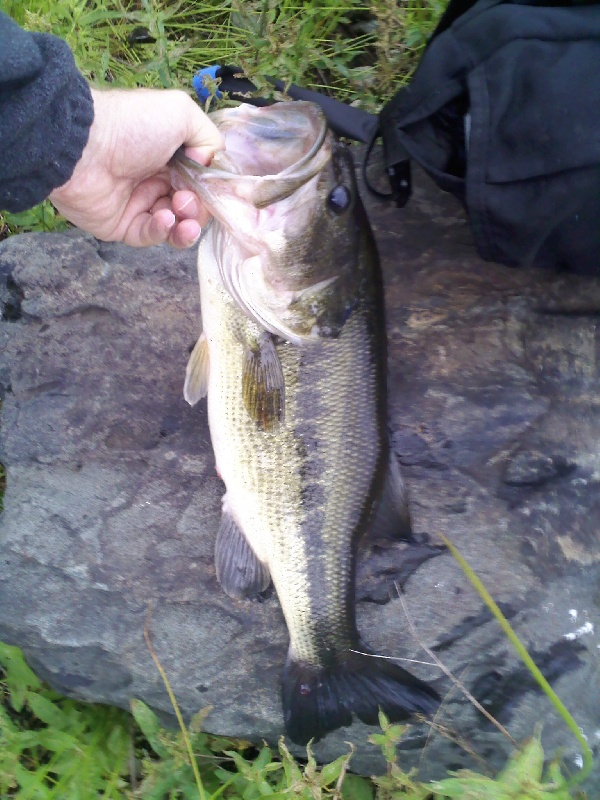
(196, 372)
(263, 386)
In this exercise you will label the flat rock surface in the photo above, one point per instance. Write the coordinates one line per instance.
(112, 500)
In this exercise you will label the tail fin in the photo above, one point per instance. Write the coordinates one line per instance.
(317, 701)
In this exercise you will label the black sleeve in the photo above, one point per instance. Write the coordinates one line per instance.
(46, 110)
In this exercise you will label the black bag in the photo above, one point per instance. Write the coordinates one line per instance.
(504, 112)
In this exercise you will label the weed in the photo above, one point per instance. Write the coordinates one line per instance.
(42, 217)
(53, 748)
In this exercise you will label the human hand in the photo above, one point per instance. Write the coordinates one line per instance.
(120, 189)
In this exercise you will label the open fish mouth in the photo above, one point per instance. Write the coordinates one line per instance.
(275, 149)
(263, 190)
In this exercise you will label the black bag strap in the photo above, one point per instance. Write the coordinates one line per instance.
(353, 123)
(397, 169)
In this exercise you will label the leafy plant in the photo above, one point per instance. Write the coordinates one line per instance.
(42, 217)
(523, 777)
(53, 747)
(360, 53)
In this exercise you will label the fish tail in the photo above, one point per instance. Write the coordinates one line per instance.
(319, 700)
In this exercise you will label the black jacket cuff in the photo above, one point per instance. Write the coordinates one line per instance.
(46, 113)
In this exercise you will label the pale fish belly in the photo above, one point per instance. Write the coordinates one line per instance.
(301, 494)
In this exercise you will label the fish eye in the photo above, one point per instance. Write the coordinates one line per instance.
(339, 199)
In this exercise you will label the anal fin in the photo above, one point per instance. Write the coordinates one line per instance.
(239, 571)
(263, 385)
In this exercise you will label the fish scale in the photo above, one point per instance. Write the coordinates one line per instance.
(271, 508)
(293, 361)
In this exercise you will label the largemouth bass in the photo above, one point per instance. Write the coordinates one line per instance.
(293, 360)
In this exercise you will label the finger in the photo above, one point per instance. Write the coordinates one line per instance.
(149, 229)
(161, 203)
(142, 200)
(201, 132)
(203, 155)
(185, 234)
(186, 205)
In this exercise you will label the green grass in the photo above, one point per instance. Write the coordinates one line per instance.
(354, 50)
(358, 52)
(53, 748)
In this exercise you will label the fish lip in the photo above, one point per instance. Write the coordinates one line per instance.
(192, 172)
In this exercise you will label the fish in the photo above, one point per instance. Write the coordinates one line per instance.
(292, 360)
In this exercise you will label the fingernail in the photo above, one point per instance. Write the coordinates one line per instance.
(186, 204)
(172, 222)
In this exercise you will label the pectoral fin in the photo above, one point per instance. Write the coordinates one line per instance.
(391, 518)
(239, 571)
(263, 386)
(196, 373)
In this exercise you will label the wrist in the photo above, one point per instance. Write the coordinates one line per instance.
(84, 176)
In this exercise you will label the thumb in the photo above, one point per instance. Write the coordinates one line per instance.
(203, 138)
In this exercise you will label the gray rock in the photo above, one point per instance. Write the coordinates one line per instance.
(112, 501)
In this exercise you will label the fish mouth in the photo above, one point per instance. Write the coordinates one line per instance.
(262, 190)
(270, 151)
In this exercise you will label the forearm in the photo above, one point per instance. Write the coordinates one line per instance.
(46, 111)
